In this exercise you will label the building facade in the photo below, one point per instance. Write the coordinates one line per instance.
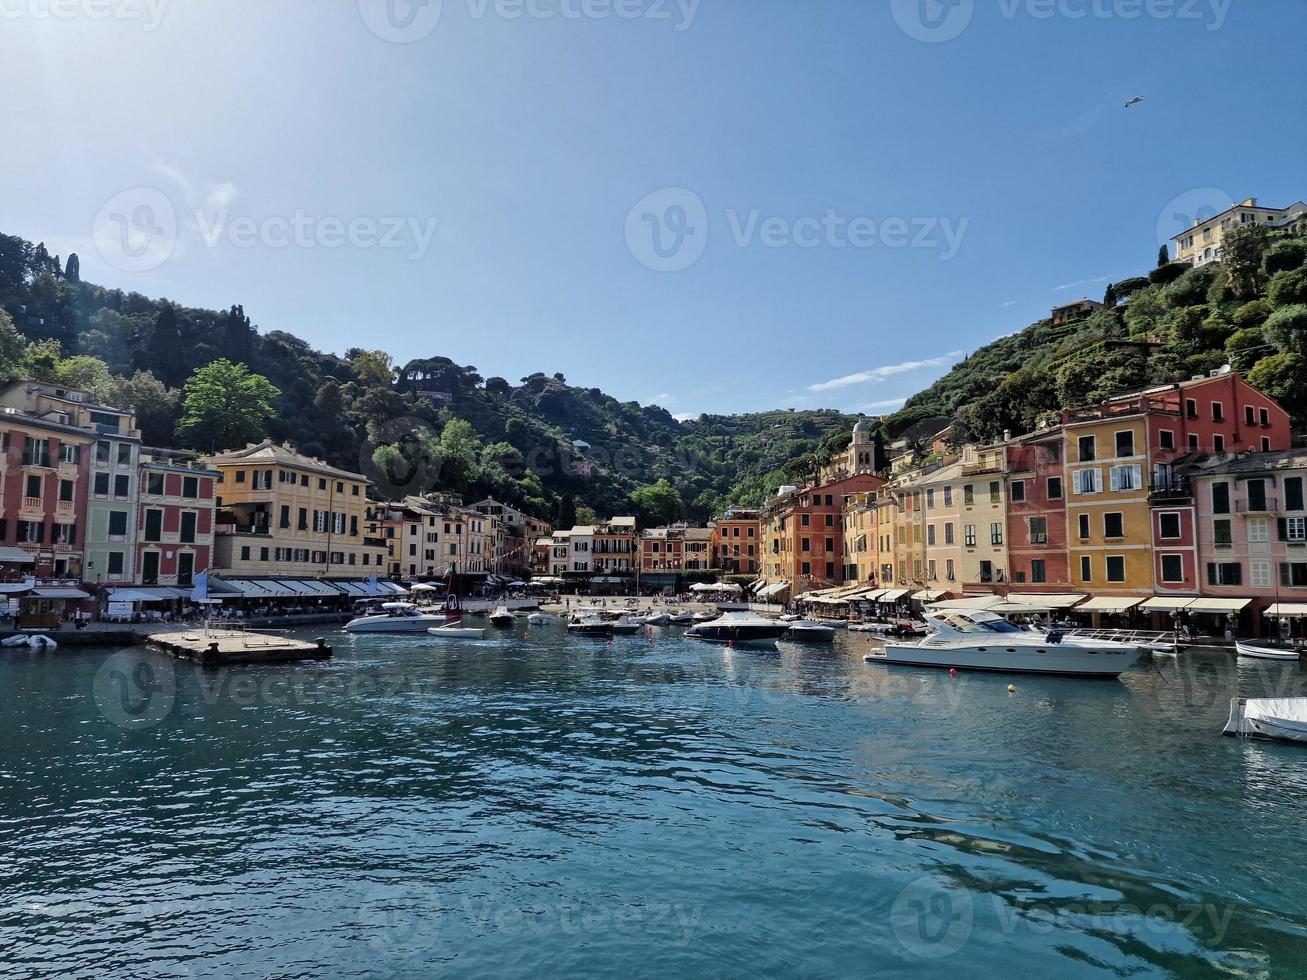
(175, 519)
(1201, 244)
(736, 539)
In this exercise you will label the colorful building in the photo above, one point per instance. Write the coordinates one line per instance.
(803, 533)
(1202, 243)
(175, 524)
(736, 541)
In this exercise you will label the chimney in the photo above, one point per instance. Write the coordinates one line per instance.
(1007, 435)
(1250, 202)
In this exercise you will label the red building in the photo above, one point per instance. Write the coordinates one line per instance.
(174, 520)
(804, 530)
(1036, 513)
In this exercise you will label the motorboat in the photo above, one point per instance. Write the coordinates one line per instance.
(976, 639)
(681, 617)
(1281, 718)
(625, 626)
(810, 631)
(590, 625)
(657, 619)
(34, 641)
(395, 617)
(539, 619)
(703, 617)
(455, 630)
(502, 617)
(832, 623)
(1260, 652)
(791, 618)
(739, 629)
(873, 628)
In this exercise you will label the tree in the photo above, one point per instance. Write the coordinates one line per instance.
(1284, 256)
(658, 504)
(565, 516)
(156, 404)
(1284, 378)
(13, 350)
(238, 336)
(1163, 256)
(1288, 288)
(1286, 328)
(226, 406)
(1109, 295)
(165, 350)
(460, 450)
(73, 270)
(373, 368)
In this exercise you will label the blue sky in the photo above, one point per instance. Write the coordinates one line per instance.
(721, 206)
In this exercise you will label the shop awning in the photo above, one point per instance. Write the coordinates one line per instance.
(970, 602)
(893, 595)
(1162, 603)
(16, 556)
(12, 587)
(1230, 605)
(1109, 603)
(607, 579)
(930, 595)
(52, 592)
(774, 588)
(136, 595)
(868, 595)
(1045, 601)
(1286, 609)
(825, 600)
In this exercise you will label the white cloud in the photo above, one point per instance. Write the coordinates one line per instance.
(664, 399)
(215, 197)
(1078, 282)
(221, 195)
(886, 371)
(1006, 303)
(685, 416)
(888, 403)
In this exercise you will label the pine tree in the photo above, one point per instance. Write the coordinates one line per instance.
(1109, 296)
(565, 517)
(166, 347)
(1163, 256)
(73, 270)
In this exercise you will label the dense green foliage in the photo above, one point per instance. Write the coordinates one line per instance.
(1250, 312)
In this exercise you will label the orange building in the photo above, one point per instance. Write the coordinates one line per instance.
(737, 541)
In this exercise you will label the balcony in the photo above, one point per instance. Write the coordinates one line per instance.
(1263, 505)
(1170, 490)
(32, 503)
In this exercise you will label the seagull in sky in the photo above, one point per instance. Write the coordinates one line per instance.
(1135, 101)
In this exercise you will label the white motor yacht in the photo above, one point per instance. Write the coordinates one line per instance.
(810, 631)
(976, 639)
(1280, 718)
(502, 617)
(395, 617)
(739, 629)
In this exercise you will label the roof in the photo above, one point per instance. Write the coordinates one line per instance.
(622, 522)
(1233, 207)
(583, 529)
(1289, 459)
(270, 453)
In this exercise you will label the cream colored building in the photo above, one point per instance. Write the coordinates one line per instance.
(1201, 244)
(284, 514)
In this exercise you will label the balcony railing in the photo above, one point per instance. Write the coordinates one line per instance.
(32, 503)
(1264, 505)
(1172, 490)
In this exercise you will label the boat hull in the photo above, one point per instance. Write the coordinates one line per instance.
(740, 636)
(1055, 659)
(395, 625)
(1283, 719)
(457, 632)
(1265, 653)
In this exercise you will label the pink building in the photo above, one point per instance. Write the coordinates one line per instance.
(1251, 526)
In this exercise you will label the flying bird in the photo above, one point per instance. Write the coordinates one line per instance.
(1135, 101)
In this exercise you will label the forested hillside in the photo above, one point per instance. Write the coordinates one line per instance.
(428, 423)
(1173, 323)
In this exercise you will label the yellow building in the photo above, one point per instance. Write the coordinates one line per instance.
(1201, 244)
(1109, 531)
(284, 514)
(860, 528)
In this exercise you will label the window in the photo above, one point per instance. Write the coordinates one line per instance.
(262, 480)
(968, 495)
(1166, 439)
(1018, 491)
(1218, 444)
(117, 523)
(154, 525)
(101, 485)
(830, 570)
(1173, 568)
(1218, 412)
(1293, 493)
(993, 492)
(986, 571)
(1084, 527)
(115, 563)
(302, 522)
(245, 553)
(66, 490)
(103, 451)
(948, 569)
(1113, 526)
(1221, 536)
(1087, 481)
(1037, 570)
(1224, 573)
(190, 487)
(830, 520)
(930, 534)
(240, 476)
(124, 454)
(1266, 444)
(1054, 488)
(1127, 477)
(70, 453)
(805, 544)
(1115, 565)
(1191, 408)
(154, 484)
(122, 486)
(1259, 531)
(1256, 493)
(969, 535)
(1293, 573)
(948, 496)
(806, 568)
(1193, 443)
(1293, 529)
(1086, 446)
(33, 487)
(996, 533)
(930, 497)
(1259, 574)
(36, 452)
(188, 528)
(805, 520)
(948, 533)
(1220, 498)
(830, 544)
(1125, 443)
(1168, 526)
(1264, 416)
(1249, 415)
(1038, 530)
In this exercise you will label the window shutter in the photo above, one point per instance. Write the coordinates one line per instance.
(1282, 528)
(1284, 573)
(1211, 573)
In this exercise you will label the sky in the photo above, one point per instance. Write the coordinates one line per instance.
(713, 205)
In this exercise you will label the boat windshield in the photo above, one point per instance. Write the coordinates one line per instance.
(965, 624)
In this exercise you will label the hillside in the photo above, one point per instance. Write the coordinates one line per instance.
(393, 422)
(1167, 326)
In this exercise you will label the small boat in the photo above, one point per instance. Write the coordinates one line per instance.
(681, 617)
(1265, 653)
(739, 629)
(457, 631)
(657, 619)
(872, 628)
(810, 631)
(539, 619)
(590, 625)
(395, 617)
(703, 617)
(976, 639)
(791, 618)
(625, 626)
(832, 623)
(502, 617)
(1280, 718)
(33, 641)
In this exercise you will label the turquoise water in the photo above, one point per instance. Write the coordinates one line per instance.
(550, 806)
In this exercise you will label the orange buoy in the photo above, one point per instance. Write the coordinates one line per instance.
(953, 672)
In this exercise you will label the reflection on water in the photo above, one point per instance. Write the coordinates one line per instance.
(553, 805)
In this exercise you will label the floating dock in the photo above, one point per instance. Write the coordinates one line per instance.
(216, 647)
